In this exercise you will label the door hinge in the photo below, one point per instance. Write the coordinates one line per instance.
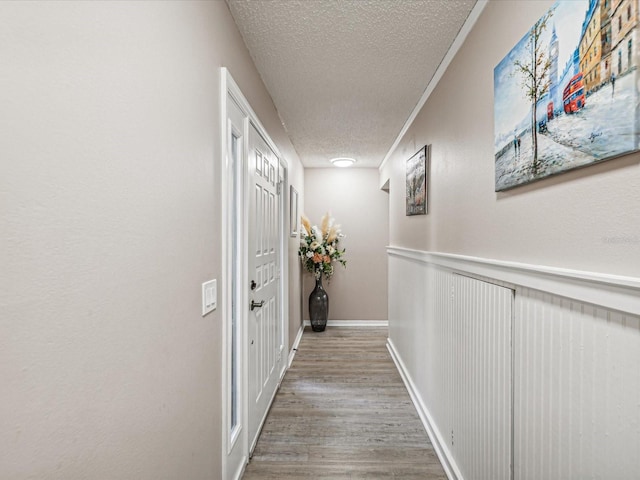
(279, 187)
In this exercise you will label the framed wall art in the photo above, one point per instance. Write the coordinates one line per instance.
(293, 211)
(416, 185)
(565, 96)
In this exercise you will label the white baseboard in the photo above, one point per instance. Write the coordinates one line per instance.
(353, 323)
(438, 442)
(294, 347)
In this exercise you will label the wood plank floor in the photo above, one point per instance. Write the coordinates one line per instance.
(342, 412)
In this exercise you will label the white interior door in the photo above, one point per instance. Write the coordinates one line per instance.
(264, 316)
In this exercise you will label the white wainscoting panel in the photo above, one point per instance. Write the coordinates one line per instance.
(515, 373)
(480, 376)
(452, 335)
(577, 390)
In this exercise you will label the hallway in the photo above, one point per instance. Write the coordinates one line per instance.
(343, 412)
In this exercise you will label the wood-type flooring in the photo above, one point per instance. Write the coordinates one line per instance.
(342, 412)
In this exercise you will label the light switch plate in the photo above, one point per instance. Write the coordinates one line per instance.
(209, 296)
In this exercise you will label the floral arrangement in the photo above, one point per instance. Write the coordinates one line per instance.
(319, 246)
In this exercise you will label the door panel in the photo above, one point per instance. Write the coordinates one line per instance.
(264, 318)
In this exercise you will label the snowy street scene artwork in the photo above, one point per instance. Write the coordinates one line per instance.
(566, 96)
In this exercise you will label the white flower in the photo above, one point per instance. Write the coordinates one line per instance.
(318, 246)
(317, 234)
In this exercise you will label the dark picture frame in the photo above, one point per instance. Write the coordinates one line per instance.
(416, 182)
(293, 211)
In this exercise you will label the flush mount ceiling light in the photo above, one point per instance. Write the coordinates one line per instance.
(343, 161)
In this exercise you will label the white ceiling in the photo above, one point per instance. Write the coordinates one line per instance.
(345, 75)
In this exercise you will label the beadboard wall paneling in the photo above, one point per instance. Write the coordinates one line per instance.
(577, 390)
(508, 376)
(453, 336)
(480, 376)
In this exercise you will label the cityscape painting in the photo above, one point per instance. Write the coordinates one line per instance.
(566, 95)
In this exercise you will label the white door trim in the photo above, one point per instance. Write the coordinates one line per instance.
(228, 87)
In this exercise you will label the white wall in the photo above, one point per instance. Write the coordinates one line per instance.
(569, 247)
(110, 221)
(353, 197)
(584, 220)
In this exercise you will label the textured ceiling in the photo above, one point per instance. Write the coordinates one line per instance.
(346, 74)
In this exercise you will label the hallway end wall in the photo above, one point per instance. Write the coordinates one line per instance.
(354, 199)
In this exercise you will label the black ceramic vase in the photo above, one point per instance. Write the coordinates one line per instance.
(318, 307)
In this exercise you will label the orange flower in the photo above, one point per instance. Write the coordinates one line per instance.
(317, 258)
(327, 259)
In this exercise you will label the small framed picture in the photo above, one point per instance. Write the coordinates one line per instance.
(417, 182)
(293, 211)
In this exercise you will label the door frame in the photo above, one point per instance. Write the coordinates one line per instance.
(228, 87)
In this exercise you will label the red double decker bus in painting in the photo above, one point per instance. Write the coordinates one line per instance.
(573, 95)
